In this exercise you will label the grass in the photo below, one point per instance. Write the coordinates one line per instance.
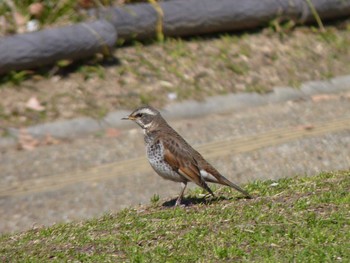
(54, 12)
(302, 219)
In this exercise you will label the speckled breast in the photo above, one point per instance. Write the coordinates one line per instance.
(155, 154)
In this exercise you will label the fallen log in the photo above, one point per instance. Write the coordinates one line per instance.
(195, 17)
(30, 50)
(144, 20)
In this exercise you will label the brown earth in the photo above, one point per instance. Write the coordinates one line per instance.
(178, 69)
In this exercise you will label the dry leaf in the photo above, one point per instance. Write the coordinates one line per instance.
(306, 127)
(49, 140)
(346, 95)
(34, 104)
(323, 97)
(26, 141)
(86, 4)
(36, 9)
(20, 21)
(112, 133)
(3, 24)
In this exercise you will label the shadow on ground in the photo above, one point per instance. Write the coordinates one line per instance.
(193, 200)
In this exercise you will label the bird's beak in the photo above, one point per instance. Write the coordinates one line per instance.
(129, 118)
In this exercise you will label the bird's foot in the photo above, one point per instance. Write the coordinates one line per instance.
(179, 202)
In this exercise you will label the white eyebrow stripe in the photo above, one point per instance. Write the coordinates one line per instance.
(147, 111)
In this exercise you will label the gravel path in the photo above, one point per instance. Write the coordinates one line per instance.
(90, 176)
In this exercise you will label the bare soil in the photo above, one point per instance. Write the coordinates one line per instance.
(161, 73)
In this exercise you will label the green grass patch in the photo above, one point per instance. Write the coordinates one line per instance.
(302, 219)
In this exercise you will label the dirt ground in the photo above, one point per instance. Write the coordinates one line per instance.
(178, 69)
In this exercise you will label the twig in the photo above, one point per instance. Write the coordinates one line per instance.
(13, 8)
(316, 15)
(159, 26)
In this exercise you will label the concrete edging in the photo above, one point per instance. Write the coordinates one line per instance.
(187, 109)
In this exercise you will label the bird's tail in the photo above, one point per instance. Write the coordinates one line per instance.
(227, 182)
(210, 174)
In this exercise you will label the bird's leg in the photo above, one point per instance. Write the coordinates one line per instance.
(179, 199)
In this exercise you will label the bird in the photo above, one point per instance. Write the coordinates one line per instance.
(172, 157)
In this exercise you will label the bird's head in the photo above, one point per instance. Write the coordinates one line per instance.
(144, 116)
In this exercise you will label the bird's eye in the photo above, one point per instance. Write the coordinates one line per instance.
(138, 115)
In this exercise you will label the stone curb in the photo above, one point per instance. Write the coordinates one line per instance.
(69, 129)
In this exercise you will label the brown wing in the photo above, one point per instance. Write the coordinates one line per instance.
(183, 162)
